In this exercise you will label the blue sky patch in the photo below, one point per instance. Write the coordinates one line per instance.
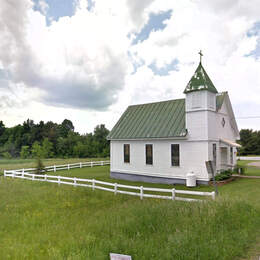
(91, 4)
(57, 9)
(155, 23)
(164, 71)
(255, 31)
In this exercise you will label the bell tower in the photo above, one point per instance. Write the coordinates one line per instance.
(200, 103)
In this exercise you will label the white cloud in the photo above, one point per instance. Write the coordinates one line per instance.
(85, 62)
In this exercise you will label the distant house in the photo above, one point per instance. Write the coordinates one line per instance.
(164, 141)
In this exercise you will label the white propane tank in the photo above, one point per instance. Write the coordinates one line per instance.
(191, 180)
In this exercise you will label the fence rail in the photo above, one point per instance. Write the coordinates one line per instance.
(68, 166)
(112, 187)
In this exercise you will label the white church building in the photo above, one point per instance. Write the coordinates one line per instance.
(162, 142)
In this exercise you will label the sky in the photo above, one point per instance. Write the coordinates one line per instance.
(88, 60)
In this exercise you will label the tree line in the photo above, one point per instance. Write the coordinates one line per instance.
(47, 140)
(250, 141)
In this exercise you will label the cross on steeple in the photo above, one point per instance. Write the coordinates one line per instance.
(200, 53)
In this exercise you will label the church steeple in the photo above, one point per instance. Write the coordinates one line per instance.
(200, 80)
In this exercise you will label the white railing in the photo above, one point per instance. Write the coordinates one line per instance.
(68, 166)
(112, 187)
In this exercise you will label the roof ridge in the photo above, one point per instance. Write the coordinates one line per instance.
(156, 102)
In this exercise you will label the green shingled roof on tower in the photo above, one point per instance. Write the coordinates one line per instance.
(200, 81)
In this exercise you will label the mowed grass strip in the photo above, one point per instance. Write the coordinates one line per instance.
(14, 164)
(249, 169)
(46, 221)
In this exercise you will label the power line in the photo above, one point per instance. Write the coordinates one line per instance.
(247, 117)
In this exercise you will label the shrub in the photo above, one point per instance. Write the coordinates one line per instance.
(223, 175)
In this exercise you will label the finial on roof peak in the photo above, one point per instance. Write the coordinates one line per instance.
(200, 53)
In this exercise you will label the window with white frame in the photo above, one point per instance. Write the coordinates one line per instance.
(175, 154)
(126, 153)
(149, 154)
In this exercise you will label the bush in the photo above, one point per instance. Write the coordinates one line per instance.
(223, 175)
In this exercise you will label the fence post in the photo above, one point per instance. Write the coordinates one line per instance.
(80, 165)
(59, 180)
(75, 181)
(4, 173)
(54, 168)
(141, 192)
(91, 164)
(213, 194)
(13, 174)
(33, 177)
(45, 177)
(68, 166)
(173, 194)
(93, 184)
(102, 163)
(115, 188)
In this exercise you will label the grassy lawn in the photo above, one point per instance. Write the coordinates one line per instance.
(12, 164)
(46, 221)
(249, 170)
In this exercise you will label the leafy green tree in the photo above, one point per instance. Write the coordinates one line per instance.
(47, 148)
(25, 152)
(100, 143)
(37, 151)
(2, 128)
(51, 139)
(250, 141)
(80, 150)
(66, 127)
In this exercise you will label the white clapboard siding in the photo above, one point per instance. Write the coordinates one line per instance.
(94, 184)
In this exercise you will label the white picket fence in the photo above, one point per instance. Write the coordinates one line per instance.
(107, 186)
(69, 166)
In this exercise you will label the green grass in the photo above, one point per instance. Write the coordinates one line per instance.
(102, 173)
(46, 221)
(249, 170)
(12, 164)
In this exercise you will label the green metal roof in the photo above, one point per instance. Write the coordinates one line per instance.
(200, 81)
(164, 119)
(154, 120)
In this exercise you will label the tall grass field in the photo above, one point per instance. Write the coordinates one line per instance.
(41, 220)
